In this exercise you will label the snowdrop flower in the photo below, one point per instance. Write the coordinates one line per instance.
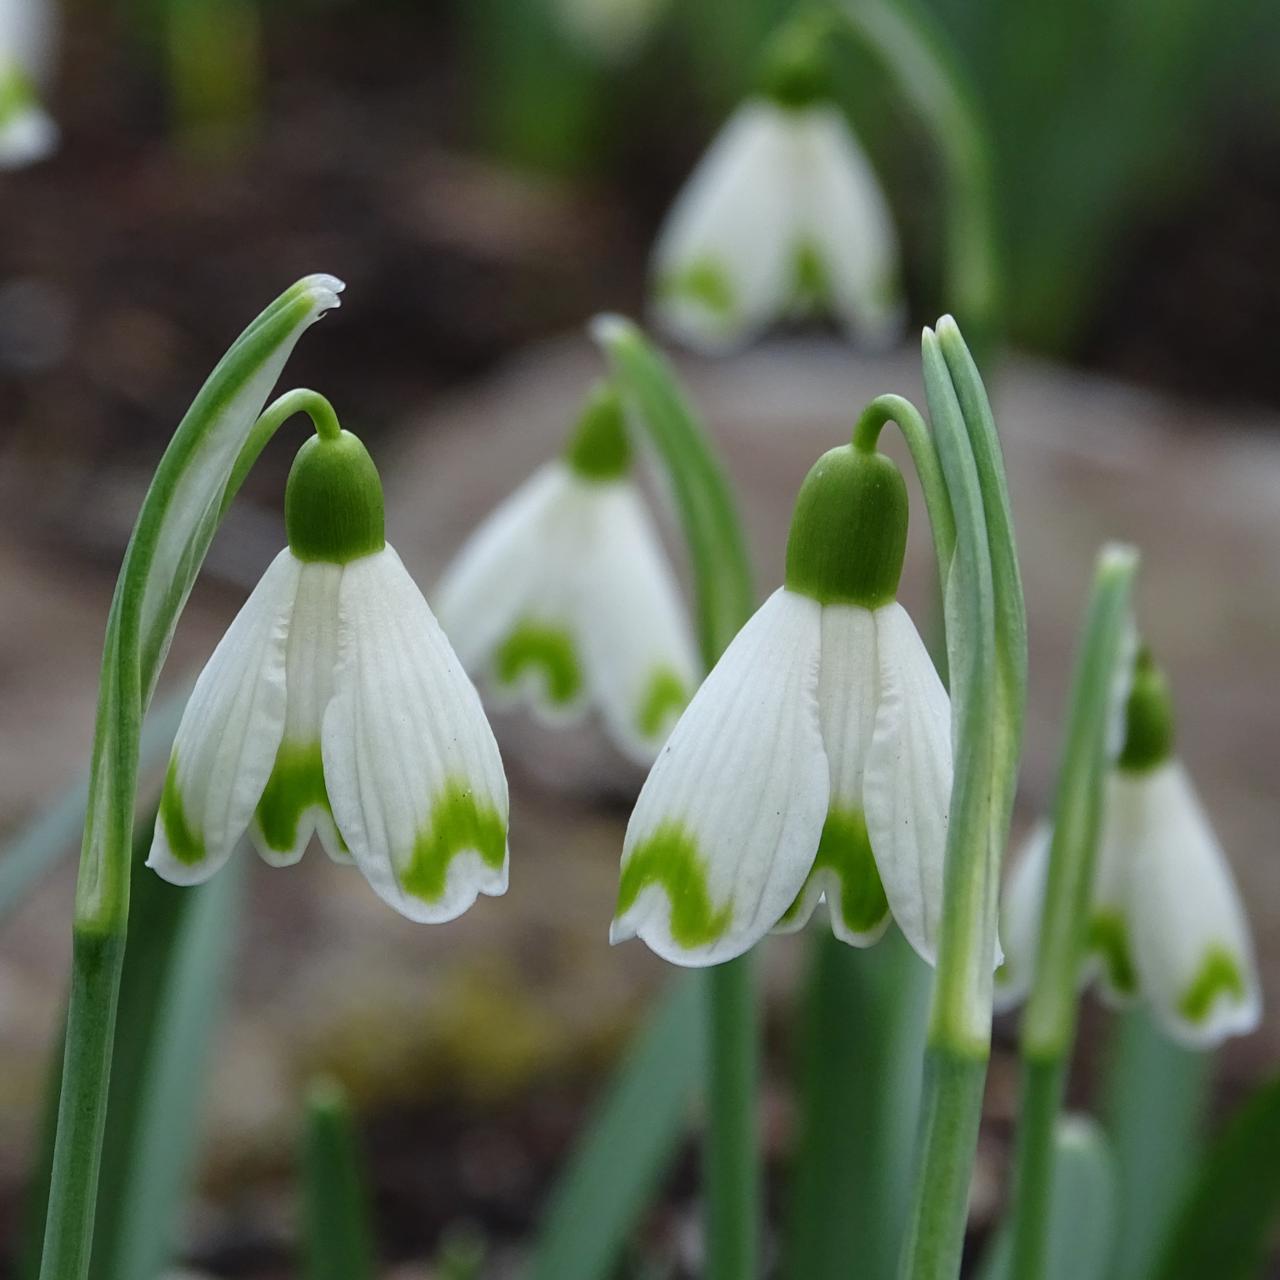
(608, 30)
(334, 705)
(814, 761)
(1166, 923)
(783, 217)
(27, 133)
(564, 600)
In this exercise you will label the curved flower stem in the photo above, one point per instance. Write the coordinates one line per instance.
(179, 517)
(1048, 1028)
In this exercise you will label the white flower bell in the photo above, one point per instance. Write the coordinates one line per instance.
(816, 758)
(1166, 923)
(563, 599)
(783, 217)
(335, 705)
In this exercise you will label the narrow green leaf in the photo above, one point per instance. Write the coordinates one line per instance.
(1224, 1226)
(337, 1238)
(629, 1143)
(1084, 1217)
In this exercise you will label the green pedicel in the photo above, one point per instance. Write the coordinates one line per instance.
(333, 501)
(458, 823)
(664, 696)
(296, 785)
(844, 850)
(184, 844)
(534, 646)
(669, 857)
(1109, 940)
(1218, 975)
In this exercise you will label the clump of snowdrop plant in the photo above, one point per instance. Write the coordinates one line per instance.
(334, 705)
(1166, 924)
(815, 761)
(784, 217)
(563, 599)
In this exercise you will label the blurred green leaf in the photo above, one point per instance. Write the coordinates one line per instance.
(1153, 1107)
(616, 1168)
(1224, 1225)
(1083, 1217)
(337, 1237)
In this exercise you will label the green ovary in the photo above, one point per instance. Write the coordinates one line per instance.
(670, 858)
(185, 845)
(664, 696)
(1109, 938)
(296, 785)
(1218, 975)
(705, 282)
(536, 646)
(458, 822)
(844, 850)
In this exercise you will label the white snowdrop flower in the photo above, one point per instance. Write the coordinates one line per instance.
(816, 758)
(783, 217)
(564, 600)
(608, 30)
(335, 706)
(27, 132)
(1166, 923)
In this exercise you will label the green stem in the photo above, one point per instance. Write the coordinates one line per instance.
(337, 1237)
(733, 1174)
(1048, 1028)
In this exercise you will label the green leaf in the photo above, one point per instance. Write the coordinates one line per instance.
(629, 1143)
(1083, 1218)
(1224, 1225)
(337, 1238)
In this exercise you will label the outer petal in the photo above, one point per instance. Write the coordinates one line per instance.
(907, 787)
(295, 803)
(413, 772)
(848, 226)
(726, 826)
(228, 736)
(1192, 948)
(723, 261)
(1020, 919)
(636, 639)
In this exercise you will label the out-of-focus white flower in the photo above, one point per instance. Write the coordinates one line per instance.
(27, 132)
(1166, 923)
(28, 36)
(564, 600)
(335, 705)
(608, 30)
(814, 761)
(783, 216)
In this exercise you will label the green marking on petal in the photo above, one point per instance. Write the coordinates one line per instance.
(458, 823)
(812, 280)
(296, 785)
(845, 849)
(16, 92)
(670, 858)
(1219, 975)
(536, 646)
(665, 696)
(705, 282)
(185, 845)
(1109, 939)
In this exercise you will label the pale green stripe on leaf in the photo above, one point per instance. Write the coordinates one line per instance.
(459, 823)
(550, 650)
(670, 858)
(184, 843)
(664, 697)
(296, 785)
(1218, 977)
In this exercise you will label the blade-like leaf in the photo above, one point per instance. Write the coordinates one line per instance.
(337, 1239)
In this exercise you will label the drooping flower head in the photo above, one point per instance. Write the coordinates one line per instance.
(564, 600)
(815, 760)
(782, 218)
(1166, 924)
(335, 706)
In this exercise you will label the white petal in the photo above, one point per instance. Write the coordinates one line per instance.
(727, 824)
(1192, 948)
(908, 779)
(637, 643)
(413, 772)
(847, 223)
(228, 736)
(294, 804)
(1020, 913)
(723, 261)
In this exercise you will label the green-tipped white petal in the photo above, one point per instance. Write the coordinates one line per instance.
(295, 805)
(228, 737)
(1020, 912)
(907, 787)
(726, 826)
(724, 260)
(413, 772)
(637, 644)
(1191, 943)
(848, 229)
